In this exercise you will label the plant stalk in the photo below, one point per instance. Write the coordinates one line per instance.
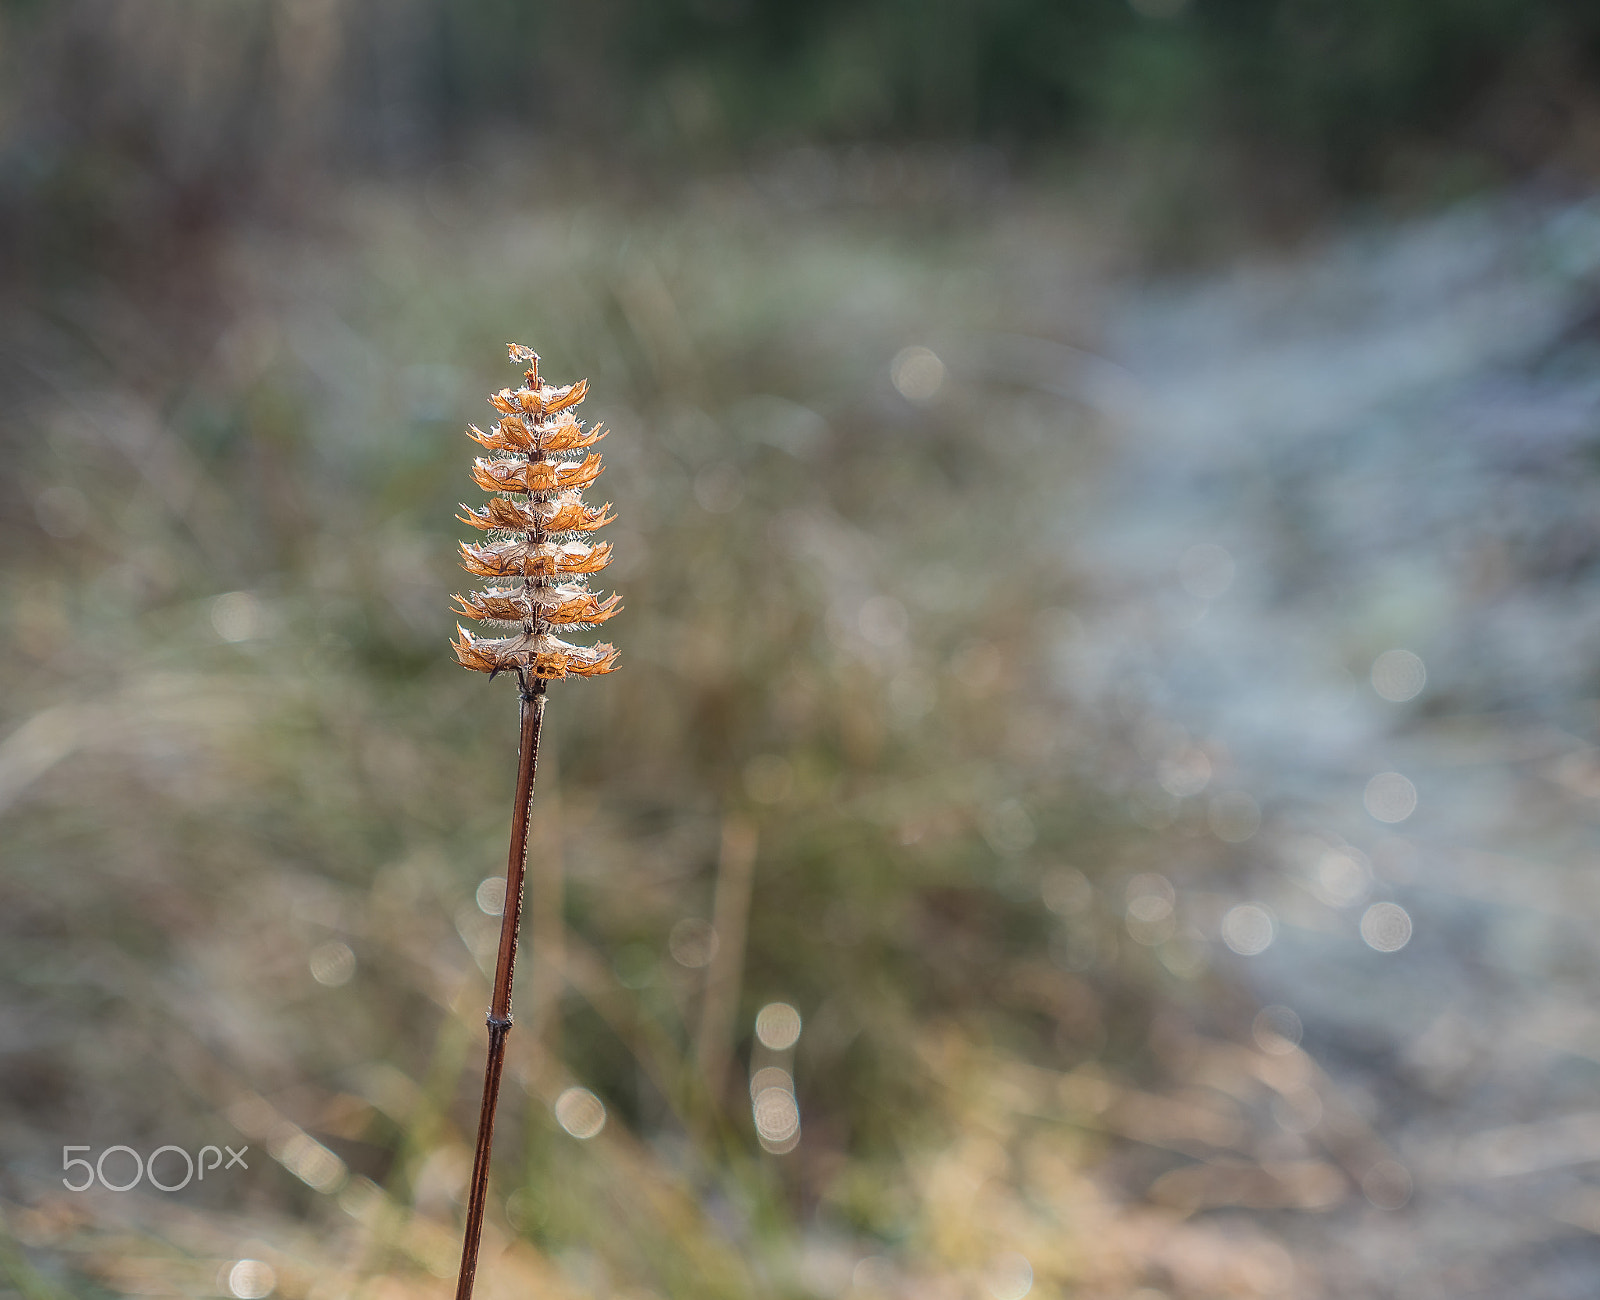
(499, 1018)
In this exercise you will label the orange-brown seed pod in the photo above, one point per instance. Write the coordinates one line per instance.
(513, 433)
(565, 514)
(544, 656)
(565, 606)
(537, 476)
(546, 400)
(571, 515)
(534, 560)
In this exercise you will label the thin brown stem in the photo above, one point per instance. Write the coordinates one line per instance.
(533, 697)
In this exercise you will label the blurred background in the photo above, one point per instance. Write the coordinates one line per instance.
(1102, 795)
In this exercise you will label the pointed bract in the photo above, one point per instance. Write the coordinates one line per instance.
(562, 514)
(543, 400)
(559, 606)
(534, 559)
(535, 476)
(544, 656)
(519, 433)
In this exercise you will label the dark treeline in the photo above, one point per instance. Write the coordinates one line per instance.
(141, 113)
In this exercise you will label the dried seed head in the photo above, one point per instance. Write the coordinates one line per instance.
(540, 515)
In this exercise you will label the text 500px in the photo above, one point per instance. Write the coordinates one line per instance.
(206, 1160)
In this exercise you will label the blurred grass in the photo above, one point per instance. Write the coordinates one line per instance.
(235, 740)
